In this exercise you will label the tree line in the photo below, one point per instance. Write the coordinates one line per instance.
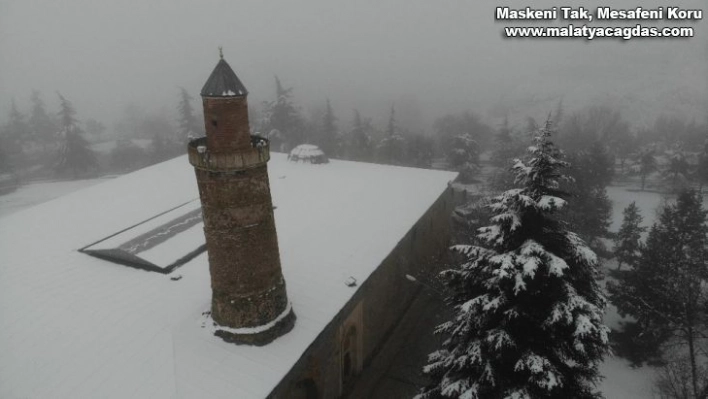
(525, 290)
(455, 139)
(669, 155)
(43, 144)
(665, 291)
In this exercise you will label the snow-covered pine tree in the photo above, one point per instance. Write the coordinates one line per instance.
(666, 291)
(528, 311)
(75, 154)
(284, 117)
(464, 150)
(628, 242)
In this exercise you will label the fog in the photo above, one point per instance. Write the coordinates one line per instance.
(427, 58)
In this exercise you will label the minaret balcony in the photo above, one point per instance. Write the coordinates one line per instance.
(200, 156)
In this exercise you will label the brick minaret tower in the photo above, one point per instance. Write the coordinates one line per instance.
(249, 301)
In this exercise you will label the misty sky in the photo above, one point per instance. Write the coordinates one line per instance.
(426, 57)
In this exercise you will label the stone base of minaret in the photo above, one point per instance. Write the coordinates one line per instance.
(253, 319)
(261, 335)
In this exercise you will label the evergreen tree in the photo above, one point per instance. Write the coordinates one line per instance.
(677, 171)
(646, 164)
(528, 320)
(591, 217)
(284, 122)
(559, 114)
(42, 126)
(391, 127)
(666, 290)
(359, 142)
(5, 164)
(392, 148)
(628, 242)
(702, 168)
(598, 166)
(504, 145)
(12, 136)
(623, 145)
(463, 151)
(328, 140)
(450, 126)
(531, 125)
(591, 213)
(75, 155)
(188, 124)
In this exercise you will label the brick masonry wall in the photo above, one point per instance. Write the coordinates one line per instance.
(244, 260)
(226, 124)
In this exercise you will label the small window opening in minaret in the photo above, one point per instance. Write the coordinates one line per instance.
(213, 122)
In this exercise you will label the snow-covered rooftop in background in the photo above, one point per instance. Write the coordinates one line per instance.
(74, 326)
(307, 153)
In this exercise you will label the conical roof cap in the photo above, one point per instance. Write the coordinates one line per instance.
(223, 82)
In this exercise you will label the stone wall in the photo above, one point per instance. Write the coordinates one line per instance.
(329, 366)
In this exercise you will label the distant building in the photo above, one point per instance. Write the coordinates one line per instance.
(135, 322)
(308, 153)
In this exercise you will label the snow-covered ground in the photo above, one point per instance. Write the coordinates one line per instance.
(647, 201)
(38, 192)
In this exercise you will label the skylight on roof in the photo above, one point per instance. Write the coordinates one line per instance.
(160, 244)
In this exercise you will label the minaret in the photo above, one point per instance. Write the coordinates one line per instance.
(249, 300)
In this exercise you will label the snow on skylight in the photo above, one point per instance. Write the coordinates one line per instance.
(161, 243)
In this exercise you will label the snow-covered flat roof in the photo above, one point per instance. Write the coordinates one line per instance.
(74, 326)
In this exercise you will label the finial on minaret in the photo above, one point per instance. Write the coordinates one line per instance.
(221, 52)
